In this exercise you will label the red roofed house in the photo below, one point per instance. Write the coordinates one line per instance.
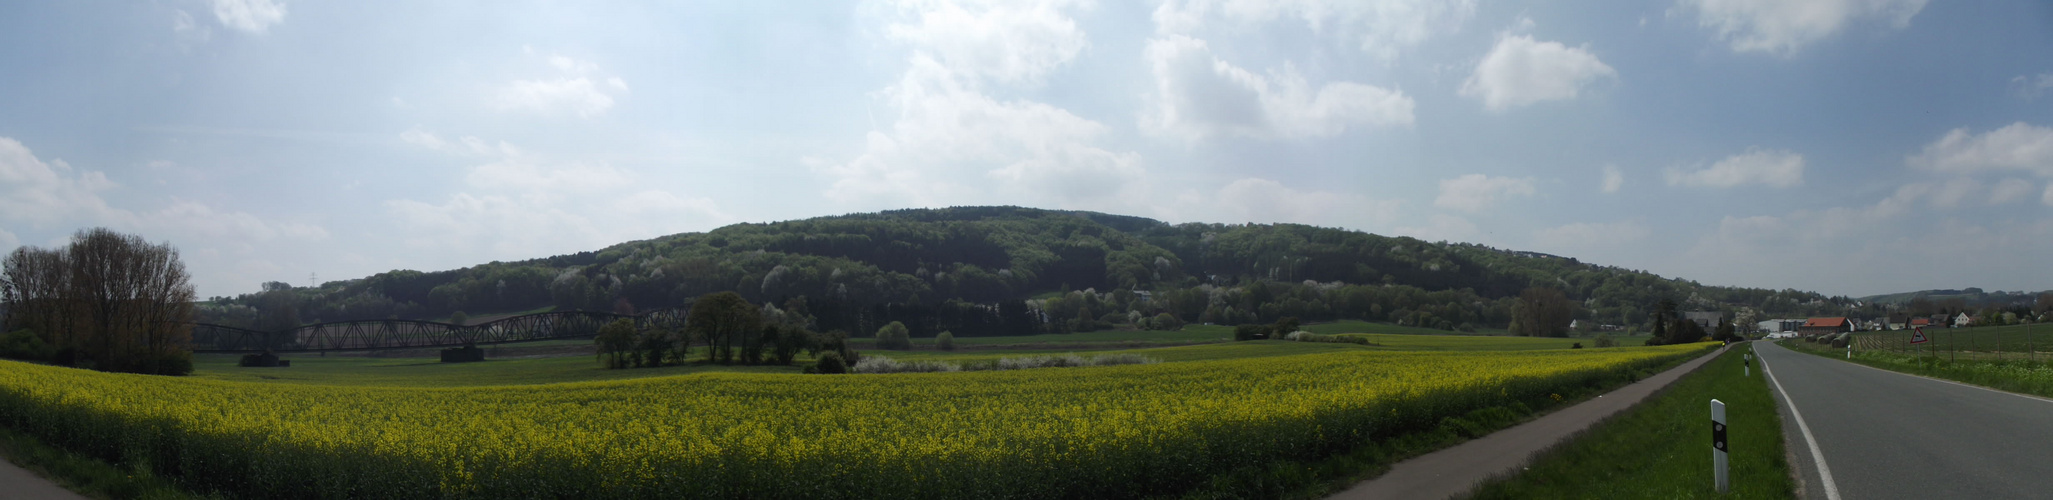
(1820, 326)
(1920, 322)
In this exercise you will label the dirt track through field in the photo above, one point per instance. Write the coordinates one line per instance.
(1456, 470)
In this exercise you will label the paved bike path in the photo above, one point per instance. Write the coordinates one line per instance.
(1456, 470)
(1884, 434)
(19, 483)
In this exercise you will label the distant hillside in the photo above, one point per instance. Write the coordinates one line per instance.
(1973, 297)
(853, 271)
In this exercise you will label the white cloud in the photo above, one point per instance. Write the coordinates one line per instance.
(1951, 193)
(1442, 227)
(578, 88)
(1478, 192)
(188, 31)
(1590, 235)
(1770, 167)
(1198, 96)
(2031, 87)
(1783, 26)
(949, 141)
(1613, 179)
(2009, 190)
(1261, 200)
(1004, 42)
(1519, 71)
(250, 16)
(218, 245)
(1381, 28)
(519, 205)
(2017, 147)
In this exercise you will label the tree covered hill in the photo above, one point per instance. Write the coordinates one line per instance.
(990, 270)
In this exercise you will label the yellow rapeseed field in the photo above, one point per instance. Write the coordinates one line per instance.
(1120, 431)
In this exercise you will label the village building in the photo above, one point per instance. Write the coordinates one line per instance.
(1823, 326)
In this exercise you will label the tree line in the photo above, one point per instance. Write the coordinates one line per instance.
(105, 301)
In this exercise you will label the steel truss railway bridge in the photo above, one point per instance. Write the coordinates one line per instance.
(363, 335)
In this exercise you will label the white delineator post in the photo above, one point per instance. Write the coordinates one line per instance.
(1718, 464)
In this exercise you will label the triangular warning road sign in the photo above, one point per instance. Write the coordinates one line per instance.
(1918, 336)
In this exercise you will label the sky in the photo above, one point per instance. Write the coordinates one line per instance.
(1849, 147)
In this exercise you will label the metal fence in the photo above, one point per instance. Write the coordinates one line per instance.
(2014, 342)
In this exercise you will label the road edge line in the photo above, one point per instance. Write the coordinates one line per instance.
(1824, 471)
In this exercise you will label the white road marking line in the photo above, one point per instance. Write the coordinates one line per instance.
(1825, 472)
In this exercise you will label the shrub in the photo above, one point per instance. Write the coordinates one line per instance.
(1604, 340)
(894, 336)
(24, 344)
(1071, 360)
(945, 341)
(880, 364)
(1166, 321)
(1250, 332)
(830, 362)
(1577, 345)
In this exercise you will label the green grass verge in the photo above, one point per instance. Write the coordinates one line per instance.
(85, 475)
(1661, 448)
(2024, 376)
(1319, 478)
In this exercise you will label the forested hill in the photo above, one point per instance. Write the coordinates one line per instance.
(861, 268)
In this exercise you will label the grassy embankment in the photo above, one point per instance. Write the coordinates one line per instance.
(1662, 447)
(2001, 364)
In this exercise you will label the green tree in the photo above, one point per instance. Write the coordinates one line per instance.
(459, 318)
(616, 344)
(945, 341)
(1542, 312)
(653, 345)
(722, 320)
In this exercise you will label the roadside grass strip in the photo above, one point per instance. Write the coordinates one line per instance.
(2024, 376)
(1220, 427)
(1661, 448)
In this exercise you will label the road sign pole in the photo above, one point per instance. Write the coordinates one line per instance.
(1718, 464)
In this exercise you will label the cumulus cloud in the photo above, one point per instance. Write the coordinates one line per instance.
(249, 16)
(1769, 167)
(1382, 28)
(2016, 147)
(1442, 227)
(1260, 200)
(1952, 192)
(518, 204)
(1586, 235)
(1613, 179)
(1004, 42)
(221, 246)
(577, 87)
(1478, 192)
(949, 141)
(1198, 95)
(2009, 190)
(1782, 27)
(1519, 71)
(2032, 86)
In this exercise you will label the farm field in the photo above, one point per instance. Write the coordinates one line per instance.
(1358, 326)
(1140, 429)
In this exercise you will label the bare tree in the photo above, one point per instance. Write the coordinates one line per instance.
(109, 300)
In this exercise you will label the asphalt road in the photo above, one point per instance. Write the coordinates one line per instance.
(1886, 435)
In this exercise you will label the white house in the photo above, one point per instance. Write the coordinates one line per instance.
(1962, 320)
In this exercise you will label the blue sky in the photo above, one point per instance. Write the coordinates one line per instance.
(1842, 146)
